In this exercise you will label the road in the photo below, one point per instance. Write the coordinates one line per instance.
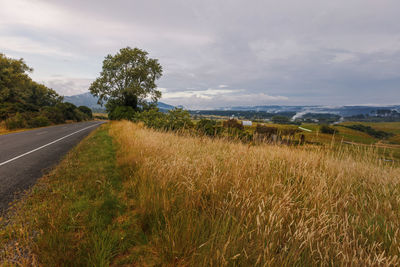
(26, 156)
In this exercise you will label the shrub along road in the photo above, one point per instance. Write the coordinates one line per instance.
(25, 156)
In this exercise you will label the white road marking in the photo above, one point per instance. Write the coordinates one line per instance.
(55, 141)
(42, 133)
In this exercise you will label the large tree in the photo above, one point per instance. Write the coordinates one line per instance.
(13, 80)
(127, 79)
(18, 92)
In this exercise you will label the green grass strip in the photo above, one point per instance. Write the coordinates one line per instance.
(69, 217)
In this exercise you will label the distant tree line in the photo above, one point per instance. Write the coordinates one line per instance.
(284, 117)
(26, 103)
(380, 115)
(243, 114)
(387, 113)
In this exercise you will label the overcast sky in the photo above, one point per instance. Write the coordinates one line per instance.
(218, 52)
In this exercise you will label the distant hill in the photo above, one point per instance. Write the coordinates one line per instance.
(87, 99)
(164, 106)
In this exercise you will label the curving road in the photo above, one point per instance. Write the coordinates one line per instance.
(26, 156)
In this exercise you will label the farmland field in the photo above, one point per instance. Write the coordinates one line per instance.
(389, 147)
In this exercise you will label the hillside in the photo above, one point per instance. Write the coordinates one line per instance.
(133, 196)
(85, 99)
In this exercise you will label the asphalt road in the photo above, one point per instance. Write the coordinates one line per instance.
(26, 156)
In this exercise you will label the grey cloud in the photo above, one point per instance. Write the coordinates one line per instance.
(69, 86)
(291, 52)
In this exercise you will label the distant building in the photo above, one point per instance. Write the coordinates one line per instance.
(247, 123)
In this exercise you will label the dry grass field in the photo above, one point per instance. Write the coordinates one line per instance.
(213, 202)
(133, 196)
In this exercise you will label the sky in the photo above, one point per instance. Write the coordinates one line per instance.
(217, 53)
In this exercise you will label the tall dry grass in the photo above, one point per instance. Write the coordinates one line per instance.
(205, 202)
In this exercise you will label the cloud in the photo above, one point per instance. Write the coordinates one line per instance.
(213, 98)
(343, 57)
(267, 50)
(69, 86)
(23, 45)
(296, 52)
(206, 94)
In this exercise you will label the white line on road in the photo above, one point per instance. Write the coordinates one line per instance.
(55, 141)
(41, 133)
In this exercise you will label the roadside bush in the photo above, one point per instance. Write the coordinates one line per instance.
(15, 122)
(10, 109)
(39, 121)
(86, 110)
(152, 118)
(67, 110)
(80, 116)
(327, 129)
(265, 130)
(54, 114)
(122, 113)
(178, 118)
(174, 120)
(71, 112)
(46, 116)
(233, 124)
(209, 127)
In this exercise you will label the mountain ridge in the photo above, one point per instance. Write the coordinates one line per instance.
(87, 99)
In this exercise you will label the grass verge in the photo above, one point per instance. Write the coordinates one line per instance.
(69, 217)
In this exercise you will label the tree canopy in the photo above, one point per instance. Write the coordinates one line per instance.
(26, 103)
(127, 79)
(18, 93)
